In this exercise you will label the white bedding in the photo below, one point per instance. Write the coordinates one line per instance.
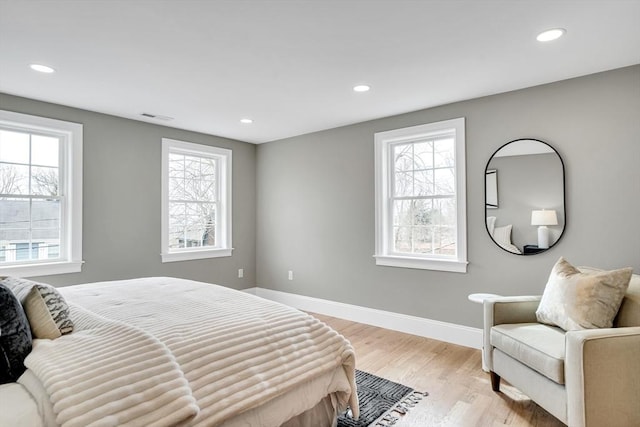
(17, 407)
(219, 357)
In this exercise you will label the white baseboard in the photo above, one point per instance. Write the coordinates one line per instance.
(435, 329)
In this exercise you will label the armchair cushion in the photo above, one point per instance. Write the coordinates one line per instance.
(575, 300)
(540, 347)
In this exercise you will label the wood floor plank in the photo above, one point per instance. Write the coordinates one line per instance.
(459, 390)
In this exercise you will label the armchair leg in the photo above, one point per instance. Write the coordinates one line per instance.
(495, 381)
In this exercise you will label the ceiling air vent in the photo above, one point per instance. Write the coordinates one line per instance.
(156, 117)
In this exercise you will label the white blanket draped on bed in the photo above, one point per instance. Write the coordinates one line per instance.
(210, 357)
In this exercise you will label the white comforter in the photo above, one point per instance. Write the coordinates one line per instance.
(165, 351)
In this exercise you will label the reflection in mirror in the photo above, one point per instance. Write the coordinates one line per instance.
(524, 197)
(491, 186)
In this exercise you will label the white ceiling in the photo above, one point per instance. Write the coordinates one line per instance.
(290, 65)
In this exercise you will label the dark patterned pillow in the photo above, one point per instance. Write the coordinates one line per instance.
(46, 309)
(15, 337)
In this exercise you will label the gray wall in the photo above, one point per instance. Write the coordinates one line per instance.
(307, 204)
(315, 206)
(525, 183)
(121, 200)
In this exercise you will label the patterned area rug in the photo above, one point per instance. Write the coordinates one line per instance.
(382, 402)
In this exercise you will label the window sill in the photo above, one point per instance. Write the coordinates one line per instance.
(193, 255)
(42, 269)
(454, 266)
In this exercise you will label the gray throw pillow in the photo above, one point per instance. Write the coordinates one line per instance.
(15, 336)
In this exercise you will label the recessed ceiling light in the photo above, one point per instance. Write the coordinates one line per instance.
(41, 68)
(246, 121)
(547, 36)
(361, 88)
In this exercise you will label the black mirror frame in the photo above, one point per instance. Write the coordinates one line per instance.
(564, 195)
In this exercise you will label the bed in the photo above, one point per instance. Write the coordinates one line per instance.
(173, 352)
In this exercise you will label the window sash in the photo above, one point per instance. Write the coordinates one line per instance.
(386, 195)
(391, 229)
(392, 189)
(69, 196)
(41, 242)
(220, 203)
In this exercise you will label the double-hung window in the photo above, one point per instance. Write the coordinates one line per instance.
(420, 197)
(196, 201)
(40, 195)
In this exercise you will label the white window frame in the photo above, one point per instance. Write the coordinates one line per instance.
(384, 142)
(70, 181)
(223, 246)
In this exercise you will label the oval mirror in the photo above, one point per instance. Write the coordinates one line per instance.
(525, 210)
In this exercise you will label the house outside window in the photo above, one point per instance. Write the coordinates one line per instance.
(420, 197)
(196, 201)
(40, 195)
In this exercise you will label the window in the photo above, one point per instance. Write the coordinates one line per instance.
(40, 195)
(196, 201)
(420, 197)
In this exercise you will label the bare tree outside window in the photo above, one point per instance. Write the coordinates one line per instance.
(8, 179)
(192, 201)
(44, 181)
(424, 212)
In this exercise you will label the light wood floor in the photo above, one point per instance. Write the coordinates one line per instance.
(459, 390)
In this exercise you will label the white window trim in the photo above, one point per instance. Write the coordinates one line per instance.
(225, 248)
(383, 143)
(71, 155)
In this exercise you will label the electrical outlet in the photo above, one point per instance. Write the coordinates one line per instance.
(240, 273)
(290, 274)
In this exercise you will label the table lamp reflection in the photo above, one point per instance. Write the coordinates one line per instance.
(543, 218)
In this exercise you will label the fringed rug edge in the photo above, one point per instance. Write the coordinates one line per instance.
(400, 409)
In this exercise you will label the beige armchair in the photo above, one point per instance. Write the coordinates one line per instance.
(586, 378)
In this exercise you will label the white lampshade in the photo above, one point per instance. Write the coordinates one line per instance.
(544, 217)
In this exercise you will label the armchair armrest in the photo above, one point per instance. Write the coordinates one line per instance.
(501, 310)
(520, 309)
(602, 377)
